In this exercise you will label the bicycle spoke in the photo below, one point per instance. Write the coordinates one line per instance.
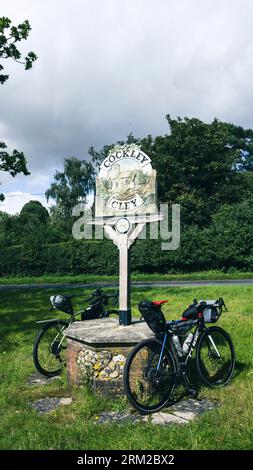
(150, 387)
(215, 358)
(52, 349)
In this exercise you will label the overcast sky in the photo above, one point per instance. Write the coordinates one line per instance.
(110, 67)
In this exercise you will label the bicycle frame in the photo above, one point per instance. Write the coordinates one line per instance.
(181, 363)
(51, 320)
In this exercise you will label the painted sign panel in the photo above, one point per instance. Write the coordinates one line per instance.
(126, 183)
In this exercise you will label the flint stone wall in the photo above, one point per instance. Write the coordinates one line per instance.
(97, 352)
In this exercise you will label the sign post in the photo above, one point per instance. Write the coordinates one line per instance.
(125, 202)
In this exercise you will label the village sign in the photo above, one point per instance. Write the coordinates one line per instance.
(126, 183)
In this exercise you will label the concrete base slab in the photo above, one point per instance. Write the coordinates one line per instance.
(187, 411)
(107, 331)
(46, 405)
(38, 379)
(193, 406)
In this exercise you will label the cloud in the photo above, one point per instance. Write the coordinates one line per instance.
(14, 201)
(108, 68)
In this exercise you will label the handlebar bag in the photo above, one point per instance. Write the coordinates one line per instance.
(211, 314)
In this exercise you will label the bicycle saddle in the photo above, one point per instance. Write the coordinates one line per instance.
(159, 302)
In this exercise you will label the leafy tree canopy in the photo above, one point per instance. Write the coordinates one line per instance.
(15, 162)
(200, 166)
(71, 186)
(9, 37)
(34, 211)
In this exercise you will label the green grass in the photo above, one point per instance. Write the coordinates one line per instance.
(73, 427)
(75, 279)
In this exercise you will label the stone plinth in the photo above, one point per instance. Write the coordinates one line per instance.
(97, 351)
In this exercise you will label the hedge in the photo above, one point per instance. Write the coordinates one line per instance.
(226, 244)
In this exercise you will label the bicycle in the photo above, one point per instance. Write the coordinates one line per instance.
(154, 365)
(49, 350)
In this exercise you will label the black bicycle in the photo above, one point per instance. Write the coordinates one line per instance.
(154, 365)
(49, 351)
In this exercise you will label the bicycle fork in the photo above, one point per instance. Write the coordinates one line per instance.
(214, 346)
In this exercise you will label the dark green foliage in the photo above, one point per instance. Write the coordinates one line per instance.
(207, 168)
(9, 36)
(199, 166)
(232, 235)
(13, 163)
(35, 211)
(87, 257)
(226, 244)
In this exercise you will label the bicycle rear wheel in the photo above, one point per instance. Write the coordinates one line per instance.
(215, 357)
(147, 389)
(49, 351)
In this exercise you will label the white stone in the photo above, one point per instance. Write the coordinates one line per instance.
(66, 401)
(112, 366)
(119, 358)
(166, 418)
(187, 415)
(114, 375)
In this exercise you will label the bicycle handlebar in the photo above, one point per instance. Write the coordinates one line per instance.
(111, 296)
(97, 293)
(218, 303)
(100, 294)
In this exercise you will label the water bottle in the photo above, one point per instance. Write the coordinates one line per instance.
(177, 345)
(187, 343)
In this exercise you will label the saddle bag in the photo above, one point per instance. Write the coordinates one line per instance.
(153, 316)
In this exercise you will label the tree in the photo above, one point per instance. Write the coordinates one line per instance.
(9, 36)
(71, 186)
(35, 211)
(12, 163)
(9, 230)
(200, 166)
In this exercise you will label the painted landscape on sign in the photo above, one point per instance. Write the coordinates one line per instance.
(127, 186)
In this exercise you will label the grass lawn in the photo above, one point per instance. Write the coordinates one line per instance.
(74, 426)
(88, 278)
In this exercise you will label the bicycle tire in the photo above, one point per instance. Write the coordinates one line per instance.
(153, 345)
(111, 312)
(36, 349)
(215, 381)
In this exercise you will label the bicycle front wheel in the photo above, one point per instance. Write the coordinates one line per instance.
(215, 357)
(49, 351)
(148, 388)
